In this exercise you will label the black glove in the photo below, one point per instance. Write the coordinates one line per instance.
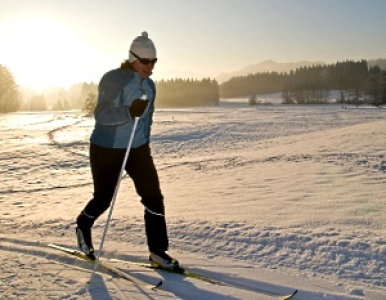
(137, 108)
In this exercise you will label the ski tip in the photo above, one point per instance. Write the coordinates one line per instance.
(291, 295)
(157, 286)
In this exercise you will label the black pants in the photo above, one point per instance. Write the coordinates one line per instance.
(106, 164)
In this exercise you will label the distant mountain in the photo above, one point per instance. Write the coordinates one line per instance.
(266, 66)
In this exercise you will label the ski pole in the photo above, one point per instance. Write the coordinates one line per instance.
(114, 197)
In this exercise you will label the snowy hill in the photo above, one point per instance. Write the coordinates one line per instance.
(269, 198)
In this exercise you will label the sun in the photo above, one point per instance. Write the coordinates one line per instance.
(42, 52)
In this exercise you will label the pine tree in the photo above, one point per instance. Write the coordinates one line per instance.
(9, 94)
(90, 104)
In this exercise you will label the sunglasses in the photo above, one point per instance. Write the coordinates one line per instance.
(144, 61)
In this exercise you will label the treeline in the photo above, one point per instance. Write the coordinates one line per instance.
(260, 83)
(58, 99)
(187, 92)
(354, 79)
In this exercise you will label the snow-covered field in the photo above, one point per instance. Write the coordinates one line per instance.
(272, 197)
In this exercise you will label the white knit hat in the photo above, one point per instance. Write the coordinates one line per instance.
(143, 47)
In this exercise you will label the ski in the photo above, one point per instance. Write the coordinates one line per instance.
(194, 275)
(80, 255)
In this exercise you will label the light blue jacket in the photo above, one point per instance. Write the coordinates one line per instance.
(113, 124)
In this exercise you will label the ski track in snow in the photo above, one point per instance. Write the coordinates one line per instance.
(293, 189)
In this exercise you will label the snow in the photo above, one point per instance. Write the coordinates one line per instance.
(267, 197)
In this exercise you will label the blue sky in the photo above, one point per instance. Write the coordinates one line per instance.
(55, 42)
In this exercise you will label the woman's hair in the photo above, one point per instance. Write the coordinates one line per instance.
(126, 65)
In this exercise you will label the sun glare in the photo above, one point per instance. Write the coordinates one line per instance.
(42, 53)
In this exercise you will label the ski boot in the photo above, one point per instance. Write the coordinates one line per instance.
(83, 234)
(161, 260)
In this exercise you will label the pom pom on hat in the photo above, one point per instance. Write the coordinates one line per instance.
(143, 47)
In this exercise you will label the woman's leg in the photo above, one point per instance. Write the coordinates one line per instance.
(106, 164)
(141, 169)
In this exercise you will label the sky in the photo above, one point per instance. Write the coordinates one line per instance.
(50, 43)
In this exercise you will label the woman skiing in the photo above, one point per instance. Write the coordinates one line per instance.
(126, 93)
